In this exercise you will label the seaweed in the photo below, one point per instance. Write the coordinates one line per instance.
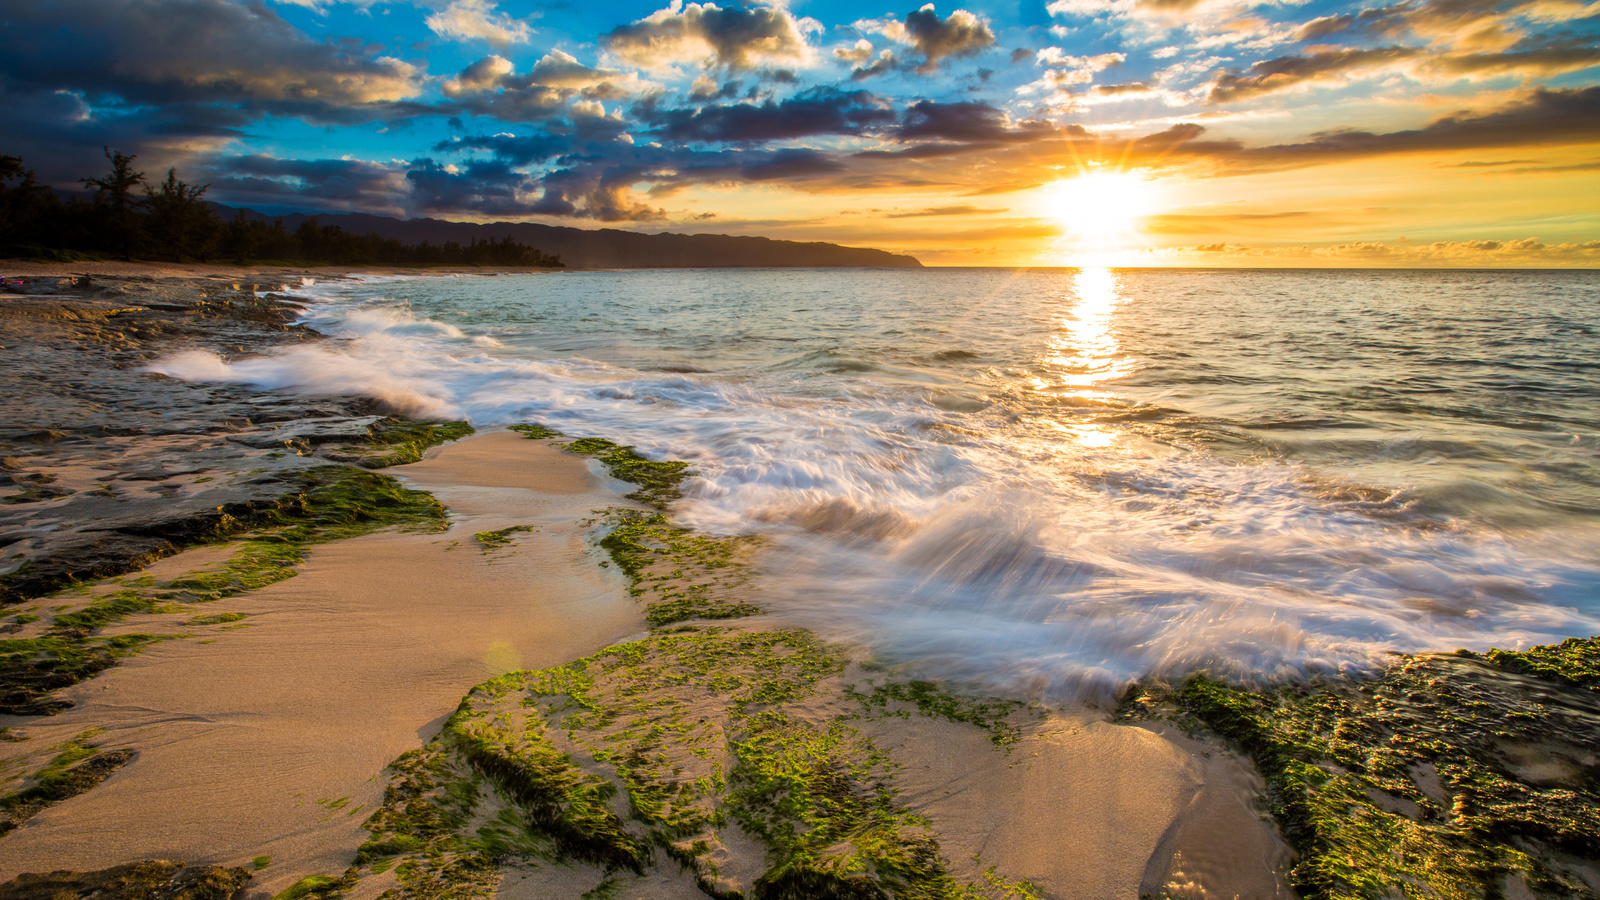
(680, 575)
(1574, 661)
(494, 540)
(936, 701)
(404, 440)
(334, 502)
(151, 879)
(1441, 776)
(533, 431)
(657, 480)
(76, 768)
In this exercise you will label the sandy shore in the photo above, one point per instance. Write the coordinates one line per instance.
(271, 740)
(21, 268)
(269, 737)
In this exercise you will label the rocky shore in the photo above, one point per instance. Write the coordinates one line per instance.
(303, 648)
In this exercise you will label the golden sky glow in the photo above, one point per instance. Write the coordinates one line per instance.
(1045, 132)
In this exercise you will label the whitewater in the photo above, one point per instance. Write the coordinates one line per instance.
(1053, 482)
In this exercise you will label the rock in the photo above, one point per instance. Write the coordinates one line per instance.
(152, 879)
(311, 433)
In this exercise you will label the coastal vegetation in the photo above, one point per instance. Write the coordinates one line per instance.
(173, 221)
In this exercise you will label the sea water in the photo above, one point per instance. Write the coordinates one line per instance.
(1056, 481)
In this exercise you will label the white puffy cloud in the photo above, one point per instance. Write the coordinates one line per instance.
(736, 37)
(469, 20)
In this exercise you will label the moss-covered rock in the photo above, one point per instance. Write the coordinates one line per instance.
(333, 502)
(148, 880)
(1443, 776)
(75, 768)
(658, 481)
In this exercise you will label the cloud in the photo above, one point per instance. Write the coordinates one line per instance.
(961, 35)
(195, 51)
(517, 150)
(1545, 116)
(1286, 72)
(469, 20)
(1554, 58)
(486, 187)
(737, 38)
(859, 52)
(967, 123)
(963, 210)
(822, 110)
(492, 87)
(331, 185)
(885, 63)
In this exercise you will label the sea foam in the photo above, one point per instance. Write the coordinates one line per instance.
(987, 530)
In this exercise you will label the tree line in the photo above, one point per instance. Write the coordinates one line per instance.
(128, 218)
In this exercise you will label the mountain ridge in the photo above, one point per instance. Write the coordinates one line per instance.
(607, 248)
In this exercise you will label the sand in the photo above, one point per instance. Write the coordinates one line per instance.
(272, 740)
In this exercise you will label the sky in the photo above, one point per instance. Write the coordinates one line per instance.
(1039, 132)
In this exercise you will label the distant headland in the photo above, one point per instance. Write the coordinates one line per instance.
(611, 248)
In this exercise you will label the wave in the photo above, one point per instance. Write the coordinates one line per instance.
(985, 535)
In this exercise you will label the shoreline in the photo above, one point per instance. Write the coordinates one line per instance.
(711, 752)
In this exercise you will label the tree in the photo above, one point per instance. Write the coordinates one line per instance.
(111, 197)
(24, 207)
(179, 220)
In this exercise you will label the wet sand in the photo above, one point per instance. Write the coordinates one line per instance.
(272, 740)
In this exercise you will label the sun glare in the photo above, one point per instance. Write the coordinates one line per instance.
(1102, 210)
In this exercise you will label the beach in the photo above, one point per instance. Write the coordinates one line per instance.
(348, 647)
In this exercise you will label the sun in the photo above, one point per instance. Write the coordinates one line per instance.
(1102, 210)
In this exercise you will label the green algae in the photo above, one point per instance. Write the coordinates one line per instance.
(495, 540)
(333, 503)
(938, 702)
(1440, 777)
(217, 619)
(154, 879)
(77, 767)
(260, 862)
(401, 441)
(1574, 661)
(311, 886)
(657, 480)
(533, 431)
(658, 752)
(679, 575)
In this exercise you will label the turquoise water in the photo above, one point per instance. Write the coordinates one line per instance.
(1059, 480)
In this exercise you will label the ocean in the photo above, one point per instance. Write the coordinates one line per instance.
(1054, 482)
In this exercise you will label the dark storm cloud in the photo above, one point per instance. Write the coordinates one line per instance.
(520, 151)
(488, 187)
(965, 122)
(322, 184)
(1285, 72)
(821, 110)
(885, 63)
(741, 36)
(1544, 117)
(1527, 58)
(788, 165)
(193, 51)
(962, 34)
(60, 135)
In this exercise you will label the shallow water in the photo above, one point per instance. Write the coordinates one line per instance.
(1058, 480)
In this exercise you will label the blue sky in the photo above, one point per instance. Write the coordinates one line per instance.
(955, 131)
